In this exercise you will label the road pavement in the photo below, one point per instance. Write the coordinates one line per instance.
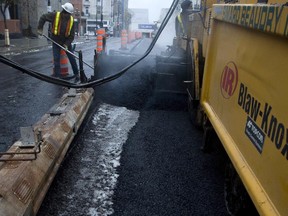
(138, 154)
(161, 170)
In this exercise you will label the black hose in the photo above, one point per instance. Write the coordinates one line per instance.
(35, 74)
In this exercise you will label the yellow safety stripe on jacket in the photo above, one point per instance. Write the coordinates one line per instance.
(57, 25)
(181, 23)
(70, 26)
(56, 29)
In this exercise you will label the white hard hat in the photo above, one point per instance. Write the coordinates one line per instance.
(68, 7)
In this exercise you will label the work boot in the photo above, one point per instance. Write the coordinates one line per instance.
(77, 78)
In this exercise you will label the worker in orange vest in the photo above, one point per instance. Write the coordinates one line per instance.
(63, 34)
(182, 19)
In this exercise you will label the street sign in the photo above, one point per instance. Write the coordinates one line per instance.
(146, 26)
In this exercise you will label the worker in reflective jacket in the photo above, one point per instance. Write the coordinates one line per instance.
(182, 19)
(62, 33)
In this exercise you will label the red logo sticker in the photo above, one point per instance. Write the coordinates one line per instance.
(229, 80)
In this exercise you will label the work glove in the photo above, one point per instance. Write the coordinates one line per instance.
(65, 46)
(40, 32)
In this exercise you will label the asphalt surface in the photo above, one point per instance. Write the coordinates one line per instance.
(137, 152)
(24, 99)
(22, 96)
(161, 169)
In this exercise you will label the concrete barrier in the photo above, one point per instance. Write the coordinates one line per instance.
(24, 182)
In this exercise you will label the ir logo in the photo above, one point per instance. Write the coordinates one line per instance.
(229, 80)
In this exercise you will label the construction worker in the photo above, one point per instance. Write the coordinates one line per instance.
(63, 34)
(182, 19)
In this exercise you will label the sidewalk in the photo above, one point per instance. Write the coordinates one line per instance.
(25, 44)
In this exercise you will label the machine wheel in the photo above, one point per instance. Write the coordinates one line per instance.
(195, 113)
(237, 199)
(199, 116)
(191, 110)
(209, 134)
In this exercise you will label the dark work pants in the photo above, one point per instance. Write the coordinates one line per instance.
(56, 56)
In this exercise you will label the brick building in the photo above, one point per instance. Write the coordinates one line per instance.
(24, 15)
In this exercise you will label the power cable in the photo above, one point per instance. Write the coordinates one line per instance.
(35, 74)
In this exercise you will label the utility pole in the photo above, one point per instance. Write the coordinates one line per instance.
(112, 11)
(49, 10)
(119, 18)
(96, 13)
(78, 18)
(101, 13)
(123, 14)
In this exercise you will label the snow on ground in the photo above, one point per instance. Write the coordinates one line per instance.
(112, 125)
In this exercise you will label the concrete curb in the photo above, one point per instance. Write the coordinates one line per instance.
(19, 51)
(24, 184)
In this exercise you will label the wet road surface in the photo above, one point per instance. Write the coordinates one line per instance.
(152, 162)
(137, 152)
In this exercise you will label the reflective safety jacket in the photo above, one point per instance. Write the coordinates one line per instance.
(62, 28)
(56, 28)
(181, 23)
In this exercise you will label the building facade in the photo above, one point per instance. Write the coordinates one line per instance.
(89, 14)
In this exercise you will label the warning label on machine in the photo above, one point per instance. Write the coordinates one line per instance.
(255, 134)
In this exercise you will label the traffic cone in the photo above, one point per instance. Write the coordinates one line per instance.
(63, 63)
(100, 40)
(64, 71)
(124, 39)
(99, 43)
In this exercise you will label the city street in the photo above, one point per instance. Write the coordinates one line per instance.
(136, 153)
(143, 108)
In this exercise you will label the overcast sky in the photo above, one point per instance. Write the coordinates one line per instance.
(154, 6)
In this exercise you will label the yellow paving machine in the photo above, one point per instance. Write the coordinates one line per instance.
(237, 61)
